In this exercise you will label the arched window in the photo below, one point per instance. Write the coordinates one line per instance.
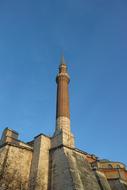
(118, 166)
(110, 166)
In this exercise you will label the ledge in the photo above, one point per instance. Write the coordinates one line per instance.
(16, 145)
(41, 134)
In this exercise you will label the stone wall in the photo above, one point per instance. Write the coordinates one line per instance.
(39, 174)
(117, 184)
(61, 178)
(70, 170)
(82, 175)
(3, 158)
(44, 168)
(102, 180)
(15, 165)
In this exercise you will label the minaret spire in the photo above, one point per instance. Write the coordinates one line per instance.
(62, 60)
(62, 105)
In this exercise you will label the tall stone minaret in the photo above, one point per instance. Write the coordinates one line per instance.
(62, 106)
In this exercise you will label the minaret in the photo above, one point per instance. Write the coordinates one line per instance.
(62, 106)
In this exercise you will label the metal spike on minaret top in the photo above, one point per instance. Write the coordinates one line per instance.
(62, 60)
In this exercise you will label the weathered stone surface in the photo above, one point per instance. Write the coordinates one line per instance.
(8, 135)
(39, 174)
(81, 172)
(60, 171)
(14, 168)
(117, 184)
(102, 181)
(61, 168)
(63, 123)
(62, 138)
(71, 171)
(3, 158)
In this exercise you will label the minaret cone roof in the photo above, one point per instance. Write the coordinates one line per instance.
(62, 62)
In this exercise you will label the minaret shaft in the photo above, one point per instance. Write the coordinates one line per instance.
(62, 99)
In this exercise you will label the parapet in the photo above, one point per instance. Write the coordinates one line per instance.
(9, 135)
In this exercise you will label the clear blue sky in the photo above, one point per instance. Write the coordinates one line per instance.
(93, 35)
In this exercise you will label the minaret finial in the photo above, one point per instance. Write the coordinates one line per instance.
(62, 62)
(63, 66)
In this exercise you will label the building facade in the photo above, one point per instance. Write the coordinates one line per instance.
(54, 163)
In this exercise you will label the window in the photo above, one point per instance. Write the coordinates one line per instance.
(110, 166)
(118, 166)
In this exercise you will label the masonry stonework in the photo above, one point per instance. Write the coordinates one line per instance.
(14, 167)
